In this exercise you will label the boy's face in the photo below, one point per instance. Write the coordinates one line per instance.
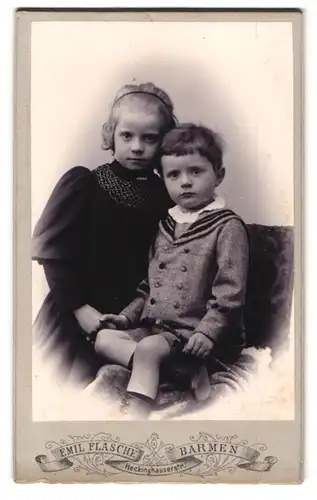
(137, 136)
(190, 180)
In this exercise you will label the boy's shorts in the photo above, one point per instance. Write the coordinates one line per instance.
(146, 329)
(178, 368)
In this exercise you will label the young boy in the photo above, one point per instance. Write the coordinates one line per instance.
(191, 304)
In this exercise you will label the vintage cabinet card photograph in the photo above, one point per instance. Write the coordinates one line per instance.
(158, 246)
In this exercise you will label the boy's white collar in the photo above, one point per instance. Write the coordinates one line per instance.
(182, 217)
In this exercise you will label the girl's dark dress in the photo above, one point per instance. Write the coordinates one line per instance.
(92, 241)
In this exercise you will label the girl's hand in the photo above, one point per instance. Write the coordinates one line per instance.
(88, 318)
(115, 321)
(199, 345)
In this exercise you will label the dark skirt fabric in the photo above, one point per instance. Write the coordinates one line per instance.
(92, 240)
(59, 337)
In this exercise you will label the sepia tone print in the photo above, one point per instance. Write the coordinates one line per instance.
(158, 187)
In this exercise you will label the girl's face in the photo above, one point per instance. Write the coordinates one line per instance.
(137, 136)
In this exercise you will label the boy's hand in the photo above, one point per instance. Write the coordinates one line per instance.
(88, 318)
(115, 321)
(198, 345)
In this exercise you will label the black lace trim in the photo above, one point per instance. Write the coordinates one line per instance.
(129, 192)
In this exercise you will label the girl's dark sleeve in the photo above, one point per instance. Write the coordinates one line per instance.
(60, 235)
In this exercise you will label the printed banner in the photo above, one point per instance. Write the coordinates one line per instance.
(205, 456)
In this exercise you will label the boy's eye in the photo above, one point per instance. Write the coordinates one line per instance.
(195, 171)
(151, 138)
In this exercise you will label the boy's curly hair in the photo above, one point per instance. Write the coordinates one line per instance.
(188, 138)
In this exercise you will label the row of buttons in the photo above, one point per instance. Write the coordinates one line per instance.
(167, 249)
(182, 268)
(180, 286)
(176, 305)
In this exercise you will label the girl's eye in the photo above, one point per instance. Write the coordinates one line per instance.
(126, 135)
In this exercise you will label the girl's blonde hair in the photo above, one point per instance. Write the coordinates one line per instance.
(149, 93)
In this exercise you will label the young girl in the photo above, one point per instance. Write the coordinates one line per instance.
(94, 234)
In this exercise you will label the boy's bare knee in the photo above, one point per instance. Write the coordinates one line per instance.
(102, 341)
(152, 348)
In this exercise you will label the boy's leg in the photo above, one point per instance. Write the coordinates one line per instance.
(142, 388)
(148, 356)
(115, 345)
(200, 384)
